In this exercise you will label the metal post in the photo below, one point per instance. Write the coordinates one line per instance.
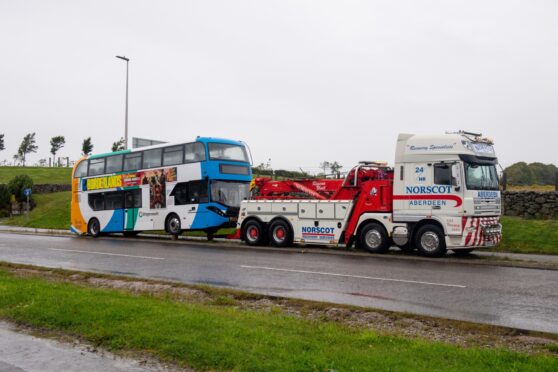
(556, 182)
(504, 181)
(126, 114)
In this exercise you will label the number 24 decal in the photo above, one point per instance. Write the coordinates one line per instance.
(419, 169)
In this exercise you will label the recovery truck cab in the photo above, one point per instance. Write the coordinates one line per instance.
(443, 193)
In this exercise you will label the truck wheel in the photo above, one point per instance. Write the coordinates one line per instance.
(253, 233)
(430, 241)
(373, 238)
(280, 234)
(172, 225)
(94, 227)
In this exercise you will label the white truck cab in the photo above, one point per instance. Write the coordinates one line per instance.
(451, 181)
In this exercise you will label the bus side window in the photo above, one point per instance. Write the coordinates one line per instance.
(180, 193)
(113, 200)
(172, 155)
(114, 164)
(132, 161)
(194, 152)
(442, 174)
(197, 192)
(132, 198)
(152, 158)
(96, 166)
(96, 201)
(81, 170)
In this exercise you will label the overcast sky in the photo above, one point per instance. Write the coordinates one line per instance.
(300, 81)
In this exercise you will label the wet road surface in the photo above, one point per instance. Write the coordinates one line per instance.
(514, 297)
(21, 352)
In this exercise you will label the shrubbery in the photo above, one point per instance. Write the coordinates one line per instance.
(18, 184)
(5, 196)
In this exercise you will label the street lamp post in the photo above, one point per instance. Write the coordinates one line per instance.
(126, 117)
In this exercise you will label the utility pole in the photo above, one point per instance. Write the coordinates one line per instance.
(126, 115)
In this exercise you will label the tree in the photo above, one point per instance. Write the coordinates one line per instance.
(2, 142)
(56, 143)
(27, 146)
(118, 146)
(325, 165)
(86, 147)
(42, 162)
(335, 169)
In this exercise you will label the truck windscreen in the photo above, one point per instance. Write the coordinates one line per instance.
(481, 176)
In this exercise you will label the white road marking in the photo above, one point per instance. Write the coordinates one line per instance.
(107, 254)
(352, 276)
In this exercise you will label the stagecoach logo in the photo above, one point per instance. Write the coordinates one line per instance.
(147, 214)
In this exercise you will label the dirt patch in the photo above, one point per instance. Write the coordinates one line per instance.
(464, 334)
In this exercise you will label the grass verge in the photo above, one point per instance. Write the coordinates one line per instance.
(39, 175)
(214, 332)
(529, 236)
(52, 212)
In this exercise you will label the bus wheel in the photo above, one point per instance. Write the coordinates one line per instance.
(373, 238)
(430, 241)
(94, 227)
(173, 224)
(280, 234)
(253, 233)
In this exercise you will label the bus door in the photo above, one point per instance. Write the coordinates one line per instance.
(132, 204)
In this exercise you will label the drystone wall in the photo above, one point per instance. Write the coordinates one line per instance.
(530, 204)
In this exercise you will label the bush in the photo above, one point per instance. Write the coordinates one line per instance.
(18, 184)
(5, 196)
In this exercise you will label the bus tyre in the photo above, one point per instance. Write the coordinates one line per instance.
(280, 234)
(430, 241)
(373, 238)
(94, 227)
(172, 225)
(253, 233)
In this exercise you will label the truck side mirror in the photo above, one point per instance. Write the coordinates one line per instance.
(456, 177)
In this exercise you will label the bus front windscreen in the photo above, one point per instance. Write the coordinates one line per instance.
(481, 176)
(229, 193)
(224, 151)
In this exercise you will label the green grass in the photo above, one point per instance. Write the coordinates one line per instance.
(220, 336)
(39, 175)
(529, 236)
(52, 212)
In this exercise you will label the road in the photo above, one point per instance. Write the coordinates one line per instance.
(507, 296)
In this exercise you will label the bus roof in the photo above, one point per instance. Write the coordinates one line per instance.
(203, 140)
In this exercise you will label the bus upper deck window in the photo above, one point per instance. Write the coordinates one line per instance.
(132, 161)
(194, 152)
(152, 158)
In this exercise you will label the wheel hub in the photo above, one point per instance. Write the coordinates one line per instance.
(253, 233)
(430, 241)
(280, 233)
(373, 239)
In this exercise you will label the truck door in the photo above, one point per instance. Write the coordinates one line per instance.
(447, 189)
(132, 204)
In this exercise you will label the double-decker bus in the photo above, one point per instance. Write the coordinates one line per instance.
(172, 187)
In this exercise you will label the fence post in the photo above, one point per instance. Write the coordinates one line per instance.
(556, 182)
(504, 181)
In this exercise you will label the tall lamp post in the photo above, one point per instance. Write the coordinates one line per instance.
(126, 118)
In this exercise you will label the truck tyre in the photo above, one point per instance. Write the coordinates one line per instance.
(430, 241)
(172, 225)
(280, 234)
(253, 233)
(94, 227)
(373, 238)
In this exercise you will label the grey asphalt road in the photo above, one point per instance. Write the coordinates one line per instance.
(514, 297)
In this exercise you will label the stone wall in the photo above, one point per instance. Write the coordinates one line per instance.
(530, 204)
(44, 189)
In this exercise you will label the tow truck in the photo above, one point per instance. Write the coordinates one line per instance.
(442, 193)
